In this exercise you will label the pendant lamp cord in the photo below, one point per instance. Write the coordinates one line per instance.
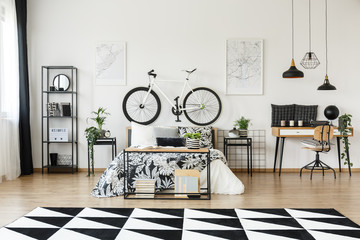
(326, 41)
(309, 26)
(292, 27)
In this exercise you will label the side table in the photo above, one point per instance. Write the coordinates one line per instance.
(103, 141)
(246, 142)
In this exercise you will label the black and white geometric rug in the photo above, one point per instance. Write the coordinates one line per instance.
(173, 224)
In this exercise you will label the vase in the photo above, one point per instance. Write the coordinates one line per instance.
(193, 143)
(234, 133)
(243, 133)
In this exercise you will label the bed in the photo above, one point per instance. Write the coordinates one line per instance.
(161, 166)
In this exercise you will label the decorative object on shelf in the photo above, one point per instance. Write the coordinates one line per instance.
(310, 60)
(293, 72)
(92, 134)
(186, 181)
(53, 159)
(291, 123)
(65, 109)
(331, 112)
(344, 123)
(107, 134)
(326, 85)
(234, 133)
(300, 123)
(244, 64)
(192, 140)
(110, 62)
(61, 82)
(283, 123)
(242, 124)
(53, 109)
(52, 88)
(64, 160)
(59, 134)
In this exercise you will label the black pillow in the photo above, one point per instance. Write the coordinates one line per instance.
(173, 142)
(305, 113)
(282, 112)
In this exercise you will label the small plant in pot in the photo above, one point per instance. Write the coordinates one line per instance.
(344, 123)
(92, 134)
(242, 124)
(192, 140)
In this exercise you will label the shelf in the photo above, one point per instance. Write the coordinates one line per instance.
(59, 67)
(59, 116)
(59, 142)
(59, 166)
(59, 92)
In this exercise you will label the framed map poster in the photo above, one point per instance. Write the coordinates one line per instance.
(110, 63)
(244, 67)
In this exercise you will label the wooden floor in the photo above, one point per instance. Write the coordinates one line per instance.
(263, 190)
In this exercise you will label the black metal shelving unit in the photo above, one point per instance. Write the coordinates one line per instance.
(47, 75)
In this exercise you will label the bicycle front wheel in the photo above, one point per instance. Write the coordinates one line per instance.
(202, 106)
(136, 111)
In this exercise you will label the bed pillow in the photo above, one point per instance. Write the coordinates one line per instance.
(165, 132)
(206, 134)
(141, 135)
(170, 141)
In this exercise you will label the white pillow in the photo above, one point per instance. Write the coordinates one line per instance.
(141, 135)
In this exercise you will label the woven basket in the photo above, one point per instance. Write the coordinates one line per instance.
(193, 143)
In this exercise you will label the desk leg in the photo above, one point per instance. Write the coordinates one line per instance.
(348, 157)
(115, 149)
(92, 164)
(276, 152)
(338, 150)
(251, 158)
(281, 153)
(208, 176)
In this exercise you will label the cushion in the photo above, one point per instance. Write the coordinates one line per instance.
(141, 135)
(170, 132)
(282, 112)
(170, 141)
(206, 134)
(305, 113)
(311, 143)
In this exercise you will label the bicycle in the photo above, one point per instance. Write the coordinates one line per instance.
(201, 106)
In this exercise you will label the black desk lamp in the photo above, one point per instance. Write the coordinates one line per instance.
(331, 113)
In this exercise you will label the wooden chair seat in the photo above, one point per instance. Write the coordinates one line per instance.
(317, 149)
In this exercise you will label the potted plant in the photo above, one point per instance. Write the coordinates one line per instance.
(344, 123)
(192, 140)
(92, 134)
(242, 124)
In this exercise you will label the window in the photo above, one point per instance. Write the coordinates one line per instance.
(2, 23)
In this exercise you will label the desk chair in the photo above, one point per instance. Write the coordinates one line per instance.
(321, 143)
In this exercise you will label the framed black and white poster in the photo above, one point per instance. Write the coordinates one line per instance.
(244, 67)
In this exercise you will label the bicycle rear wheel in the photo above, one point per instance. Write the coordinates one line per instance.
(135, 111)
(202, 106)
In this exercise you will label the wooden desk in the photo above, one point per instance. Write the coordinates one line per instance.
(301, 132)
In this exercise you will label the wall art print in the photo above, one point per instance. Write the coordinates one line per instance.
(244, 66)
(110, 63)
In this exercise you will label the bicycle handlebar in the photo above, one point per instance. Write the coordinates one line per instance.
(151, 73)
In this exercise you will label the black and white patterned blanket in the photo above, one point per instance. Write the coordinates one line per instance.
(158, 166)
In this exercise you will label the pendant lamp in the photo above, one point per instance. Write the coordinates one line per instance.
(293, 72)
(310, 61)
(326, 85)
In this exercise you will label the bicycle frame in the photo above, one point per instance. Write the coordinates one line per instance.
(152, 83)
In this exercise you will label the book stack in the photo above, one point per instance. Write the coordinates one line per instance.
(145, 186)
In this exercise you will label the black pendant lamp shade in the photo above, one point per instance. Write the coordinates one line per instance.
(293, 72)
(326, 85)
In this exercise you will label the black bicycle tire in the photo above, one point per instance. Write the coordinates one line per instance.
(141, 89)
(193, 121)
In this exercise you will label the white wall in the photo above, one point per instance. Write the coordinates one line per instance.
(182, 34)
